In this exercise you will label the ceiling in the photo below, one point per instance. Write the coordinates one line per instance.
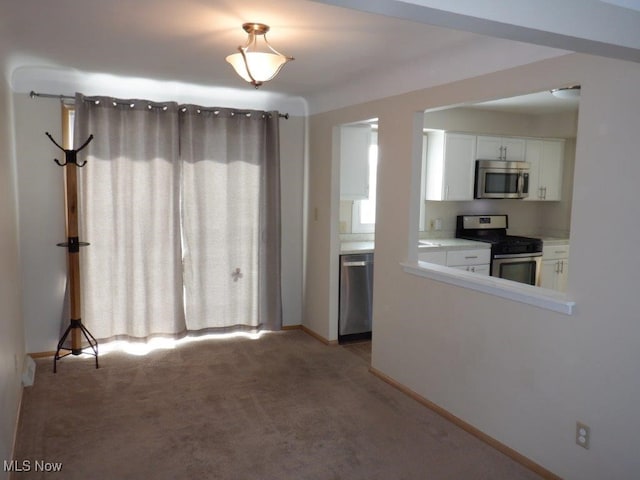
(187, 41)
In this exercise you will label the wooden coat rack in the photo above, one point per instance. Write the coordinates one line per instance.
(74, 345)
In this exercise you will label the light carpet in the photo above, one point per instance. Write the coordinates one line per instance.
(284, 406)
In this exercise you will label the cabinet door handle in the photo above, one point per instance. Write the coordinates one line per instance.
(471, 256)
(561, 266)
(505, 153)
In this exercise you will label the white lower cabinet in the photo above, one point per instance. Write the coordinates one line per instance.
(439, 257)
(555, 267)
(479, 269)
(475, 261)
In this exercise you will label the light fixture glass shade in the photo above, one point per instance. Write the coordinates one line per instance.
(263, 66)
(257, 61)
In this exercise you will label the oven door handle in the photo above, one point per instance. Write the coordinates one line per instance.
(355, 264)
(518, 255)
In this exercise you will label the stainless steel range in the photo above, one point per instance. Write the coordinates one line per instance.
(512, 257)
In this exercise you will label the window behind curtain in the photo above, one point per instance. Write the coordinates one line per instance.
(131, 289)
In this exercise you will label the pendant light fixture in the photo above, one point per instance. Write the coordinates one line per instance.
(257, 61)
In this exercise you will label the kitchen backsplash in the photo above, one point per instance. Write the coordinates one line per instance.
(525, 218)
(357, 237)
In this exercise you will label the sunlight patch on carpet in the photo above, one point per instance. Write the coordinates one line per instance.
(144, 348)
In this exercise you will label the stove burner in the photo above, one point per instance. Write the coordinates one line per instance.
(501, 243)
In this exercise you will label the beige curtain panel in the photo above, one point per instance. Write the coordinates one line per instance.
(181, 206)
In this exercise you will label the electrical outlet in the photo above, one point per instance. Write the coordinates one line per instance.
(583, 435)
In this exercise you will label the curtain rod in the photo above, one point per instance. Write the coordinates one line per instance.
(33, 94)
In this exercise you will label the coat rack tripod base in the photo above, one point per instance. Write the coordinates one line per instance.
(91, 348)
(72, 341)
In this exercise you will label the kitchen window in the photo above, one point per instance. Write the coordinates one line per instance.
(363, 218)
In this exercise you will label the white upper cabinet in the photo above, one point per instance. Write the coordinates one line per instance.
(547, 165)
(500, 148)
(450, 166)
(355, 142)
(451, 157)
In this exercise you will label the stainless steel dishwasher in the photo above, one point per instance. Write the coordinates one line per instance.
(356, 296)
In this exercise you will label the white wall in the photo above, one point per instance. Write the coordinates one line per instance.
(521, 374)
(11, 323)
(292, 166)
(41, 203)
(474, 120)
(42, 221)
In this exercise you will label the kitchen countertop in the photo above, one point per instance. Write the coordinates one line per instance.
(438, 244)
(461, 244)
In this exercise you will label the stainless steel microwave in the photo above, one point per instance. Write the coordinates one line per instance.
(501, 179)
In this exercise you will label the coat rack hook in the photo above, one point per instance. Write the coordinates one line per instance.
(71, 156)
